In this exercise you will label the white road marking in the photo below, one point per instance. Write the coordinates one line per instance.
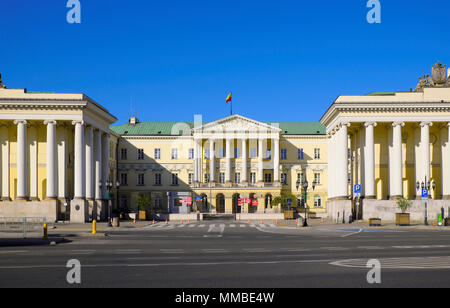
(232, 226)
(201, 226)
(172, 250)
(13, 251)
(353, 233)
(400, 263)
(243, 226)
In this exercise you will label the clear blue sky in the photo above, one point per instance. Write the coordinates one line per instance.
(283, 60)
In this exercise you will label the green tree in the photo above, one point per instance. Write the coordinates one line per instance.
(144, 202)
(403, 204)
(283, 200)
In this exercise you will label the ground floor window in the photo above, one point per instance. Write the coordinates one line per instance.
(317, 201)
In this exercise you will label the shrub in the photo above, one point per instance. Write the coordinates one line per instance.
(403, 204)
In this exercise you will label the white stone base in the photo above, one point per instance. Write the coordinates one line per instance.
(45, 209)
(386, 209)
(336, 209)
(79, 211)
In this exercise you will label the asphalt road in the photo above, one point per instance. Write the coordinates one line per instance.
(231, 254)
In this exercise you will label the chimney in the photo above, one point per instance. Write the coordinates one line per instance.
(133, 120)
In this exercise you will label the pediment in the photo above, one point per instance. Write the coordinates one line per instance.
(236, 123)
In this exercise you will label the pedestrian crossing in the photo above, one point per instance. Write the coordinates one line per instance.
(170, 226)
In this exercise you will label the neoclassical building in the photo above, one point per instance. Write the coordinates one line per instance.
(56, 155)
(389, 142)
(215, 164)
(61, 156)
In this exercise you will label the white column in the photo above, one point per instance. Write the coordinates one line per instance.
(331, 165)
(342, 162)
(98, 164)
(276, 160)
(244, 175)
(89, 136)
(51, 160)
(21, 159)
(212, 161)
(260, 161)
(446, 164)
(196, 161)
(79, 160)
(4, 135)
(61, 133)
(33, 156)
(396, 162)
(105, 163)
(369, 162)
(228, 161)
(425, 144)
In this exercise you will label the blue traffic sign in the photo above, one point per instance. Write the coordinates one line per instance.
(424, 193)
(357, 189)
(289, 201)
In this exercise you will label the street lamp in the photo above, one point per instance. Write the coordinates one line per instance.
(428, 186)
(305, 188)
(109, 187)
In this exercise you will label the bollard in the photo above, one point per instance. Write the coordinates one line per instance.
(154, 221)
(262, 222)
(94, 227)
(276, 222)
(181, 221)
(167, 222)
(45, 237)
(321, 221)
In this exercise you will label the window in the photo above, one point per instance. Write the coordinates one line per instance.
(206, 177)
(158, 179)
(158, 202)
(190, 178)
(284, 179)
(252, 152)
(300, 201)
(174, 179)
(237, 178)
(123, 179)
(268, 154)
(283, 154)
(140, 154)
(157, 154)
(207, 156)
(317, 201)
(252, 177)
(237, 153)
(316, 153)
(267, 178)
(300, 154)
(221, 178)
(141, 178)
(123, 154)
(221, 153)
(191, 154)
(317, 178)
(123, 202)
(300, 177)
(174, 153)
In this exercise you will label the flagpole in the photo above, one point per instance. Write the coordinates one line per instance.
(231, 113)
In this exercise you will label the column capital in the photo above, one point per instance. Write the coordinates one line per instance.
(24, 122)
(75, 122)
(51, 122)
(447, 125)
(367, 124)
(426, 123)
(344, 124)
(394, 124)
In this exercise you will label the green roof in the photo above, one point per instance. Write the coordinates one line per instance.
(381, 94)
(166, 128)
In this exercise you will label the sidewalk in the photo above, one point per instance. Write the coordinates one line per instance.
(389, 225)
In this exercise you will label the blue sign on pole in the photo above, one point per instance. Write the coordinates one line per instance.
(289, 201)
(198, 199)
(357, 189)
(424, 193)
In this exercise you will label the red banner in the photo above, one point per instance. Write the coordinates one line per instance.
(255, 202)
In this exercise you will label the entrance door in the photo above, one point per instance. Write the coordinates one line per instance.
(236, 207)
(220, 204)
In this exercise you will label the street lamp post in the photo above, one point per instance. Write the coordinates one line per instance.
(428, 186)
(109, 186)
(305, 188)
